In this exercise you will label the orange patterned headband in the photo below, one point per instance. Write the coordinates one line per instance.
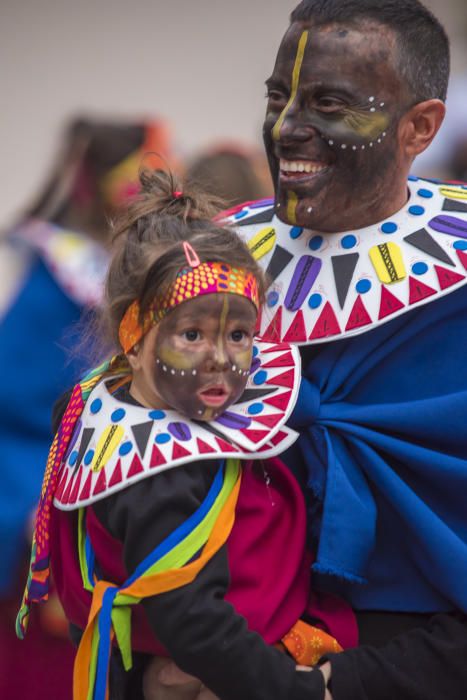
(191, 282)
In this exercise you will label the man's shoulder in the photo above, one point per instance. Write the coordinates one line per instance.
(323, 286)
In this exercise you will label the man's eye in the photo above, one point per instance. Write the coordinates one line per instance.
(275, 96)
(330, 104)
(192, 336)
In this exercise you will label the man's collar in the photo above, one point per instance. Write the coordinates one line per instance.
(325, 286)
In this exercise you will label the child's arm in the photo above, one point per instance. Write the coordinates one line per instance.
(199, 628)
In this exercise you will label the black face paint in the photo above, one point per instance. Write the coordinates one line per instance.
(202, 354)
(330, 129)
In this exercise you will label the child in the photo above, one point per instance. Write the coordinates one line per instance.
(154, 517)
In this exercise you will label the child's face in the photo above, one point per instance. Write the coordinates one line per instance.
(197, 360)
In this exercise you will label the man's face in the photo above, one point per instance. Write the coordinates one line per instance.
(199, 357)
(334, 103)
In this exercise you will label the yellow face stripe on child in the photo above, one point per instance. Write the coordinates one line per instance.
(276, 130)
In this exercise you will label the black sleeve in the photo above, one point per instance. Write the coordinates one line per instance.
(200, 630)
(423, 664)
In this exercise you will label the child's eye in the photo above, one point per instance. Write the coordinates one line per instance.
(237, 336)
(192, 336)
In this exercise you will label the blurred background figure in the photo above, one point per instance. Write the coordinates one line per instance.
(52, 264)
(446, 158)
(233, 172)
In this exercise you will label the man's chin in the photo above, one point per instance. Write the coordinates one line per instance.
(303, 213)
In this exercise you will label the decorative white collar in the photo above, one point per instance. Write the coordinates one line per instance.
(326, 286)
(115, 444)
(76, 262)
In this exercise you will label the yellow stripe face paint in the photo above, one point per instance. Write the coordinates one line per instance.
(276, 130)
(292, 201)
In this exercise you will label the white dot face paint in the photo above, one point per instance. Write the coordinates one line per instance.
(371, 99)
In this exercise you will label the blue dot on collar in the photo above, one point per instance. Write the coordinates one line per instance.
(255, 408)
(272, 299)
(88, 457)
(420, 268)
(255, 351)
(416, 210)
(315, 243)
(295, 232)
(96, 406)
(73, 458)
(413, 178)
(260, 377)
(426, 194)
(460, 245)
(117, 415)
(240, 214)
(389, 227)
(315, 301)
(125, 448)
(363, 286)
(349, 242)
(162, 438)
(156, 415)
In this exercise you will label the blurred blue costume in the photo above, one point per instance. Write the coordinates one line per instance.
(381, 314)
(61, 274)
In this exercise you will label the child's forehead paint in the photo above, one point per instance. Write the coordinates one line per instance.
(294, 86)
(222, 324)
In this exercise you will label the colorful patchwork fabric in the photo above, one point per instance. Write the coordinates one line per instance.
(307, 644)
(77, 263)
(116, 444)
(326, 286)
(172, 564)
(37, 586)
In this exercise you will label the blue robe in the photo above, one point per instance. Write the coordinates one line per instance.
(384, 449)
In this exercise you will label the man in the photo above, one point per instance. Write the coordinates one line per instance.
(368, 274)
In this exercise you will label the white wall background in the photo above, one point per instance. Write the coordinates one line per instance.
(200, 63)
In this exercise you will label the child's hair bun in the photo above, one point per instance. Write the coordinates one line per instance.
(166, 194)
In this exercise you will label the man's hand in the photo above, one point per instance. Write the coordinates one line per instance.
(163, 680)
(163, 676)
(325, 669)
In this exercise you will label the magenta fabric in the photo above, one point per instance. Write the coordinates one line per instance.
(270, 568)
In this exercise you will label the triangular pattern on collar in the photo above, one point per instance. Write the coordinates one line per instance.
(328, 286)
(126, 443)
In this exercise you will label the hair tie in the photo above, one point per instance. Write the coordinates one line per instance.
(177, 194)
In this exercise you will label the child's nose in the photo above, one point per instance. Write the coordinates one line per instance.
(217, 358)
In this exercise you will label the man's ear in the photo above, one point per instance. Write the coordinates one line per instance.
(419, 126)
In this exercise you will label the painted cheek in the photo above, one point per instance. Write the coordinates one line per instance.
(167, 354)
(352, 129)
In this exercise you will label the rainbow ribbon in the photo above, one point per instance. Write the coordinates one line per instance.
(172, 564)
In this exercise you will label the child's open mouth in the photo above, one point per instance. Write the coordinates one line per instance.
(214, 395)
